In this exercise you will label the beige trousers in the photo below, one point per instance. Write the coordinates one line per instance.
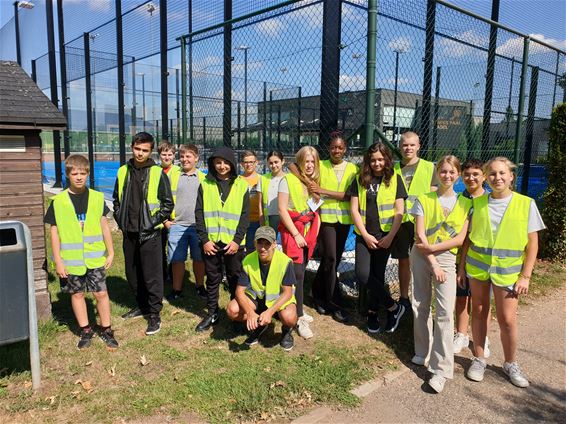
(436, 346)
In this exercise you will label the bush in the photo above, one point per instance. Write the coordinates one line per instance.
(554, 207)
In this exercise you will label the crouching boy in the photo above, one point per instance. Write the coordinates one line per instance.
(82, 248)
(266, 288)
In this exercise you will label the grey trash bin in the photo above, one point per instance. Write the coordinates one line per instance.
(18, 316)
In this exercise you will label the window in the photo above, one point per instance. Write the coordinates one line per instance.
(12, 143)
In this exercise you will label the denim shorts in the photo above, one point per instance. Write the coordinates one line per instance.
(181, 239)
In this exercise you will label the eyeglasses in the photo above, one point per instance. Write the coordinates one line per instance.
(249, 162)
(470, 176)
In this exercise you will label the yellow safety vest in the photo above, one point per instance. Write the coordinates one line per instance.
(385, 203)
(152, 188)
(80, 248)
(265, 181)
(221, 221)
(420, 184)
(439, 228)
(333, 210)
(174, 176)
(297, 194)
(498, 257)
(273, 287)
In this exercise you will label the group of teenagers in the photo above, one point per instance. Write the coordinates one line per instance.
(457, 249)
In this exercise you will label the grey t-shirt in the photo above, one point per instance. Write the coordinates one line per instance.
(447, 203)
(497, 207)
(272, 192)
(187, 191)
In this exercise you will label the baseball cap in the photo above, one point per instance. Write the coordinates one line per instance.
(266, 233)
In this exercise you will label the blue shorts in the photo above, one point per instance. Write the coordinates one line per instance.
(250, 235)
(182, 238)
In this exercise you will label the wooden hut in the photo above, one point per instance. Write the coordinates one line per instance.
(24, 112)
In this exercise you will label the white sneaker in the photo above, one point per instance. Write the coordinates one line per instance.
(303, 329)
(418, 360)
(477, 369)
(486, 351)
(436, 382)
(307, 317)
(461, 341)
(515, 374)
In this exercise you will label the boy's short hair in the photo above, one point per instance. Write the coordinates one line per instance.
(185, 148)
(247, 153)
(473, 163)
(409, 134)
(143, 137)
(165, 146)
(76, 161)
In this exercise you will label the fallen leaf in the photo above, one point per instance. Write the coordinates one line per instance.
(87, 386)
(88, 363)
(27, 384)
(175, 312)
(144, 361)
(112, 371)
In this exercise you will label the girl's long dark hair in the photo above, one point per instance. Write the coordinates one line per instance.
(366, 173)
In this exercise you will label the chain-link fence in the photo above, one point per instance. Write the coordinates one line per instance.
(266, 75)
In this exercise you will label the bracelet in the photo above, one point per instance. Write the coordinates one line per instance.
(296, 235)
(524, 276)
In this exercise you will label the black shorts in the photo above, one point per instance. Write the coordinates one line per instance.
(93, 281)
(404, 240)
(260, 305)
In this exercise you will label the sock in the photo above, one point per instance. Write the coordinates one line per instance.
(86, 328)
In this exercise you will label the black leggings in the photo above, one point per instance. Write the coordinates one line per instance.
(331, 242)
(300, 276)
(370, 272)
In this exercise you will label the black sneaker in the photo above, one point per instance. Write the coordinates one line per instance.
(253, 337)
(393, 318)
(405, 302)
(373, 323)
(340, 316)
(287, 342)
(85, 339)
(134, 313)
(201, 292)
(207, 322)
(107, 337)
(153, 325)
(174, 296)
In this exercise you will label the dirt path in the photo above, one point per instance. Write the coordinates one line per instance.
(542, 355)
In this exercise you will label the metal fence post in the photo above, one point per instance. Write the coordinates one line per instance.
(555, 76)
(17, 28)
(507, 121)
(436, 110)
(524, 69)
(270, 142)
(489, 75)
(90, 144)
(191, 105)
(120, 69)
(184, 90)
(530, 130)
(427, 74)
(239, 123)
(134, 100)
(370, 72)
(264, 126)
(177, 108)
(33, 71)
(63, 70)
(330, 69)
(227, 115)
(299, 105)
(53, 88)
(164, 70)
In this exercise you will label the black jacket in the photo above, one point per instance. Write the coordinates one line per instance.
(224, 187)
(133, 214)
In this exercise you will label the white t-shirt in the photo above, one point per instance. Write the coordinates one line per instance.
(497, 207)
(284, 188)
(447, 203)
(272, 191)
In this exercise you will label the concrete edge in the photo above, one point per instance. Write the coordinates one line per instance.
(322, 412)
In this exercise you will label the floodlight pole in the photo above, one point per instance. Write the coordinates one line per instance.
(370, 72)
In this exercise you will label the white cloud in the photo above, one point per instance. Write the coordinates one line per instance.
(513, 47)
(452, 48)
(270, 27)
(352, 82)
(400, 81)
(401, 44)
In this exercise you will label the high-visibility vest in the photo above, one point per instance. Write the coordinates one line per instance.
(265, 181)
(221, 221)
(385, 200)
(174, 176)
(333, 210)
(498, 257)
(273, 287)
(152, 187)
(297, 194)
(81, 249)
(439, 228)
(420, 184)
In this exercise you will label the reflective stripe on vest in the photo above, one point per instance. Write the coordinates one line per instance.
(80, 248)
(439, 228)
(265, 182)
(221, 221)
(273, 287)
(385, 203)
(174, 176)
(498, 257)
(420, 184)
(297, 194)
(334, 210)
(155, 173)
